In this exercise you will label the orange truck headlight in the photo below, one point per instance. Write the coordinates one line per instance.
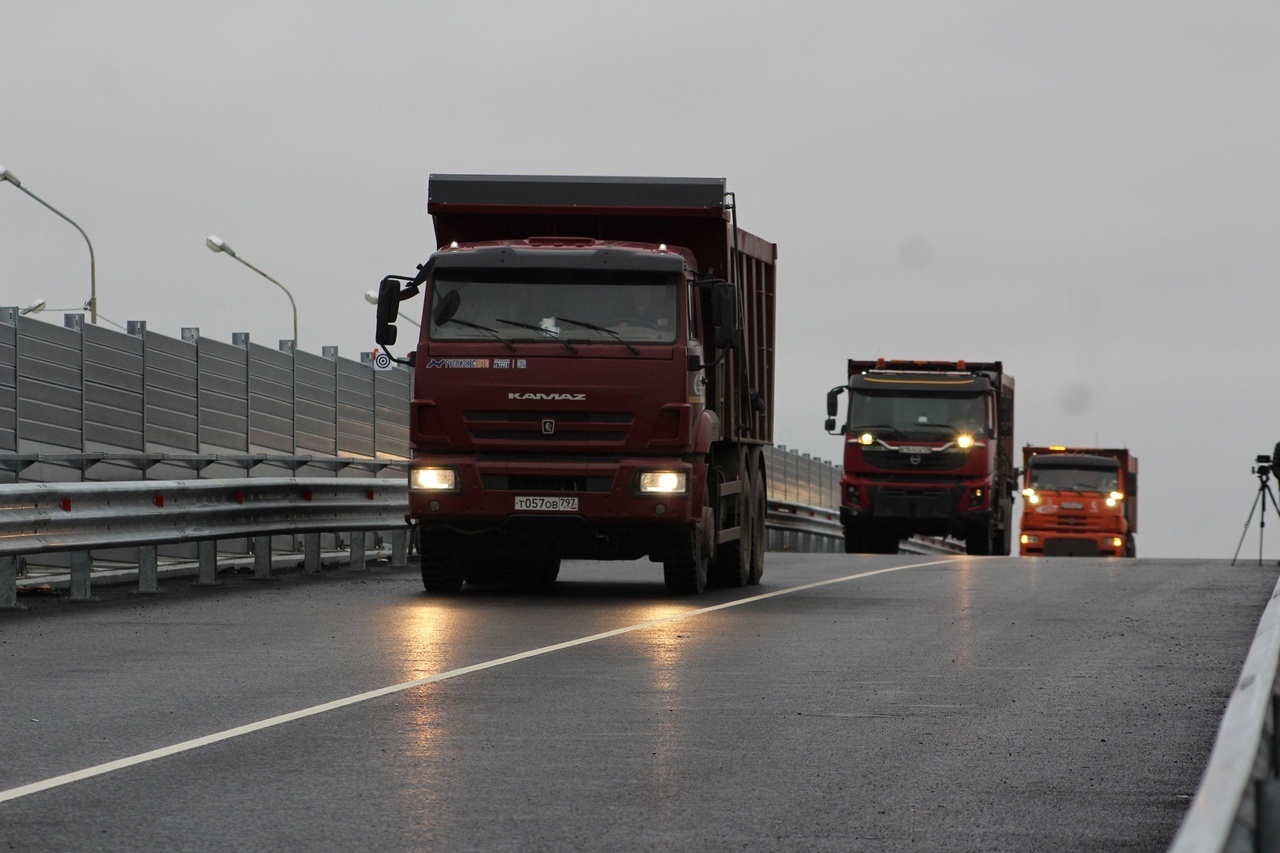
(663, 483)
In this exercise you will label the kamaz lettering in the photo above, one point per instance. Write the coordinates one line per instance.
(517, 395)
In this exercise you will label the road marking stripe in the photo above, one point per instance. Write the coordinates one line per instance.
(271, 722)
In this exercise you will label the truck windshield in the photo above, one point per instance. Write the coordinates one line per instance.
(917, 416)
(585, 306)
(1060, 479)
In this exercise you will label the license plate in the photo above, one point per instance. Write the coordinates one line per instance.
(1068, 505)
(915, 451)
(544, 504)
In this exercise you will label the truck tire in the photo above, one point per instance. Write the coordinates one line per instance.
(979, 540)
(685, 567)
(855, 537)
(1003, 542)
(760, 502)
(883, 540)
(442, 566)
(1130, 546)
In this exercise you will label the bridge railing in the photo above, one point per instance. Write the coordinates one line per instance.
(1237, 806)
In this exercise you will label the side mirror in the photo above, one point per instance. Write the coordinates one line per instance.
(388, 311)
(724, 313)
(833, 405)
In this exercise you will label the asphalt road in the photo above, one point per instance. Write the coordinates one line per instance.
(866, 703)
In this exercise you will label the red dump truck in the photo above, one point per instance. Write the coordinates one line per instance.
(593, 379)
(928, 451)
(1079, 502)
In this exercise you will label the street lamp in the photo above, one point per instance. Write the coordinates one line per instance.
(92, 304)
(371, 296)
(216, 244)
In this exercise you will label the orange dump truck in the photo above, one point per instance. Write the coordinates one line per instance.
(1079, 502)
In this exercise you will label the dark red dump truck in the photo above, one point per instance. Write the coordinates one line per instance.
(928, 451)
(593, 379)
(1079, 502)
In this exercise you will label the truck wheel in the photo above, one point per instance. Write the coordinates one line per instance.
(883, 540)
(979, 540)
(760, 503)
(442, 567)
(1003, 542)
(1130, 546)
(685, 568)
(855, 538)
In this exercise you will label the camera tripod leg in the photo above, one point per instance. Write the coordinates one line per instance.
(1262, 489)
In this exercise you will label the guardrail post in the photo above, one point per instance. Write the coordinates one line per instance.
(358, 561)
(399, 547)
(148, 569)
(207, 552)
(1267, 788)
(311, 553)
(262, 558)
(8, 582)
(81, 566)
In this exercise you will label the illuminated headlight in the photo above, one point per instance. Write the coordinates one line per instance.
(1028, 539)
(1116, 542)
(1114, 498)
(1031, 496)
(663, 482)
(866, 438)
(964, 442)
(433, 479)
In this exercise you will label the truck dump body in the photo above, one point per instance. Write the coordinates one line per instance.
(1079, 502)
(928, 451)
(594, 378)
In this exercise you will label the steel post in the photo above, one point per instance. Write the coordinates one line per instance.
(8, 582)
(81, 566)
(399, 547)
(262, 558)
(148, 570)
(311, 553)
(358, 561)
(207, 551)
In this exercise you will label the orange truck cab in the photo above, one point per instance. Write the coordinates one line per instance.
(1079, 502)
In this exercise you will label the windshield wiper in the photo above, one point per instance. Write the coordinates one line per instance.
(493, 332)
(593, 327)
(541, 331)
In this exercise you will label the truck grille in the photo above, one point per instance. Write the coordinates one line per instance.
(892, 460)
(598, 427)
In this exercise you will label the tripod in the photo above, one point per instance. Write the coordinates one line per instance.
(1264, 490)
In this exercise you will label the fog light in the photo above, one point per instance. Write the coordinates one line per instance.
(1116, 542)
(433, 479)
(664, 482)
(659, 509)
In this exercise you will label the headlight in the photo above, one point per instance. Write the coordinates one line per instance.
(663, 482)
(1028, 539)
(964, 442)
(1031, 496)
(1117, 542)
(866, 438)
(433, 479)
(1114, 498)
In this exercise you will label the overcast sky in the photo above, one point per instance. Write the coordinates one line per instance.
(1086, 191)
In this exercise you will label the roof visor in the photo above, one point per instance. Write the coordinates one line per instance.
(602, 258)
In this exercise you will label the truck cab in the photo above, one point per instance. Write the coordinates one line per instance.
(927, 452)
(1079, 502)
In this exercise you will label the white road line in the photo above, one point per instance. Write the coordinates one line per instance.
(271, 722)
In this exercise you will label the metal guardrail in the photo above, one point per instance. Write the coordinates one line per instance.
(800, 527)
(1237, 806)
(78, 518)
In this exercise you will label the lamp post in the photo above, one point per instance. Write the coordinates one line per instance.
(216, 244)
(92, 304)
(371, 296)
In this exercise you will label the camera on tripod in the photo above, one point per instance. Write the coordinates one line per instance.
(1261, 465)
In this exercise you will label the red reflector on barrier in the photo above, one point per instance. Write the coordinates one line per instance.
(369, 494)
(239, 497)
(66, 504)
(159, 500)
(306, 494)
